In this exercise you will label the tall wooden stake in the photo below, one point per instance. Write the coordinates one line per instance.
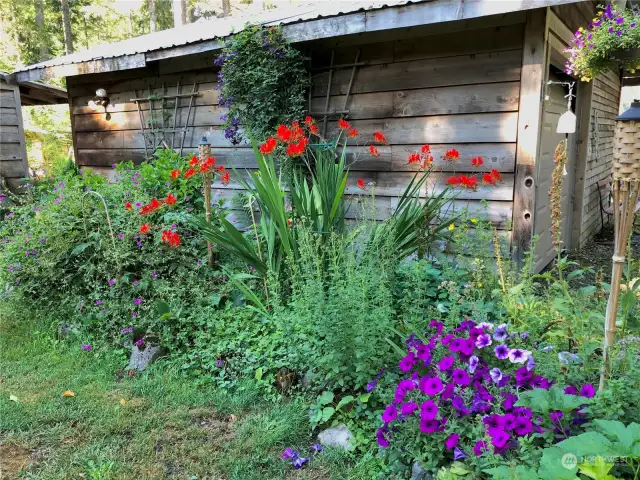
(204, 151)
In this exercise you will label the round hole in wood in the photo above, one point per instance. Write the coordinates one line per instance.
(527, 216)
(528, 182)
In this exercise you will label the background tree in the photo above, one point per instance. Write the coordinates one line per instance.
(66, 25)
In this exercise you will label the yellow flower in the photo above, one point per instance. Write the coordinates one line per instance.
(599, 14)
(452, 226)
(474, 220)
(595, 19)
(479, 284)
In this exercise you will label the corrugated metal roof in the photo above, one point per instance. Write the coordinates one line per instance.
(219, 28)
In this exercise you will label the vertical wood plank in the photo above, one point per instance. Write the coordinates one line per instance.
(23, 145)
(70, 95)
(585, 94)
(534, 67)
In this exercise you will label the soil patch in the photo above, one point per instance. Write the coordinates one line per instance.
(12, 460)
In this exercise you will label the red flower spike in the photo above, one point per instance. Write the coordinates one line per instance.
(353, 133)
(194, 161)
(172, 238)
(208, 164)
(308, 120)
(361, 184)
(414, 158)
(144, 228)
(268, 146)
(426, 149)
(477, 161)
(225, 178)
(171, 199)
(313, 129)
(487, 178)
(154, 205)
(453, 180)
(220, 169)
(379, 137)
(283, 133)
(343, 124)
(297, 149)
(452, 155)
(468, 182)
(128, 206)
(373, 150)
(175, 173)
(496, 175)
(190, 173)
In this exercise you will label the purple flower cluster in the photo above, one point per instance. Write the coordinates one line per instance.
(293, 456)
(456, 375)
(86, 347)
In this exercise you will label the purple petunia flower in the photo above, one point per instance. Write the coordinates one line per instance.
(473, 363)
(407, 362)
(496, 375)
(460, 377)
(523, 426)
(429, 426)
(458, 454)
(516, 355)
(372, 384)
(428, 410)
(500, 334)
(508, 421)
(382, 437)
(502, 352)
(483, 341)
(479, 448)
(456, 344)
(458, 404)
(430, 385)
(556, 416)
(587, 391)
(571, 390)
(408, 408)
(620, 21)
(446, 363)
(390, 413)
(451, 441)
(500, 439)
(317, 448)
(568, 357)
(289, 454)
(299, 462)
(139, 343)
(524, 335)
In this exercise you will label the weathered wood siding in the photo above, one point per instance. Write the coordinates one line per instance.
(605, 103)
(457, 90)
(13, 154)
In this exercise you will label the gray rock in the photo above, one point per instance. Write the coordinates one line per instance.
(141, 358)
(338, 436)
(419, 473)
(309, 377)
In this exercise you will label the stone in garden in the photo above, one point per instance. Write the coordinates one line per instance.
(338, 436)
(419, 473)
(307, 380)
(141, 358)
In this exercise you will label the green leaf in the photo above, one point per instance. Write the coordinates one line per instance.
(612, 428)
(162, 307)
(326, 398)
(344, 401)
(259, 373)
(327, 413)
(80, 248)
(598, 471)
(587, 291)
(554, 465)
(365, 398)
(586, 444)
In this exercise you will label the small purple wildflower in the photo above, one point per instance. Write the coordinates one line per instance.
(112, 282)
(317, 448)
(98, 302)
(87, 347)
(121, 236)
(137, 301)
(219, 363)
(139, 343)
(136, 283)
(289, 454)
(531, 363)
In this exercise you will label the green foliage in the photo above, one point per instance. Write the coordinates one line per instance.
(263, 82)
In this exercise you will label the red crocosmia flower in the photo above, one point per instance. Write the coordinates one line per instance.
(194, 161)
(453, 180)
(189, 173)
(128, 206)
(269, 146)
(172, 238)
(343, 124)
(144, 228)
(379, 137)
(296, 131)
(225, 178)
(452, 155)
(488, 179)
(468, 182)
(373, 150)
(284, 133)
(353, 133)
(171, 199)
(308, 120)
(154, 205)
(477, 161)
(220, 169)
(297, 149)
(426, 149)
(496, 175)
(175, 173)
(414, 158)
(314, 129)
(361, 184)
(289, 222)
(208, 165)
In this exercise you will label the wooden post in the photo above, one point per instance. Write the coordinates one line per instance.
(532, 78)
(204, 150)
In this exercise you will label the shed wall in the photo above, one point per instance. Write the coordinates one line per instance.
(13, 154)
(457, 90)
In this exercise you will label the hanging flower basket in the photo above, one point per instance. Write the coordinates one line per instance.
(612, 41)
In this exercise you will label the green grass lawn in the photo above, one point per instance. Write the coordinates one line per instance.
(156, 424)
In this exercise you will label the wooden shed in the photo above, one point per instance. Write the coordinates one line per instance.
(464, 74)
(13, 151)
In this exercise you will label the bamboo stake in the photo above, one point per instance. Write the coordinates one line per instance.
(205, 152)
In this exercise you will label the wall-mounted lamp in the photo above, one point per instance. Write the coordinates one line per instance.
(567, 121)
(100, 100)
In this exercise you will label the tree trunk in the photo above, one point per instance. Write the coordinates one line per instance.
(44, 50)
(153, 24)
(226, 8)
(180, 13)
(66, 25)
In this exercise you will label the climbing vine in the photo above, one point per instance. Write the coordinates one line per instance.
(262, 82)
